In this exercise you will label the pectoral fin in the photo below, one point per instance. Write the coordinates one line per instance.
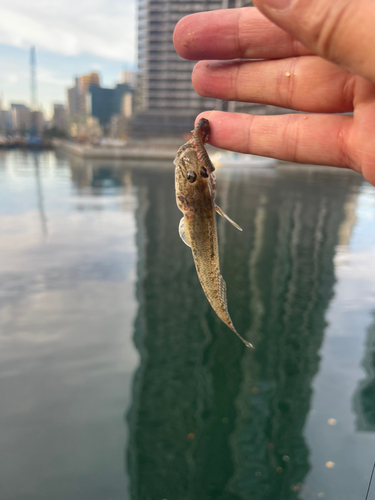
(220, 212)
(181, 230)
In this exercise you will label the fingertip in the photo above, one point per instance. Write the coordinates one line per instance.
(200, 116)
(198, 78)
(178, 37)
(215, 119)
(182, 36)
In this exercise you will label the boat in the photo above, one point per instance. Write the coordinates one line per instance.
(242, 160)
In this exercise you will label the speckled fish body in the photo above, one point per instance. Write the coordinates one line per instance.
(195, 196)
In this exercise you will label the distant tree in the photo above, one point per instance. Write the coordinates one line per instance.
(55, 132)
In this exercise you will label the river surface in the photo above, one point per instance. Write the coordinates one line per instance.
(117, 380)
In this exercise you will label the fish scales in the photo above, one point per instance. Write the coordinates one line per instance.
(195, 195)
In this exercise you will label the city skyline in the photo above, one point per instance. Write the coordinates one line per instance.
(70, 40)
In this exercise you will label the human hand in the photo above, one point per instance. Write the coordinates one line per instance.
(317, 57)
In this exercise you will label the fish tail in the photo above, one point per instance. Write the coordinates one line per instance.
(247, 344)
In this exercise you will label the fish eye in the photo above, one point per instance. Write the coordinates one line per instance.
(204, 172)
(191, 176)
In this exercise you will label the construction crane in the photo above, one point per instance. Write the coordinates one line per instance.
(33, 93)
(33, 90)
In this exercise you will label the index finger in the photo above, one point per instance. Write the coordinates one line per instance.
(232, 34)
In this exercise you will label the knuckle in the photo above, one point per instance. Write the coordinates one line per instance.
(342, 147)
(291, 137)
(285, 83)
(326, 25)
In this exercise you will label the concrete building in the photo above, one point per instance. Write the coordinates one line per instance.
(127, 105)
(85, 83)
(77, 102)
(129, 77)
(21, 117)
(74, 99)
(37, 122)
(3, 120)
(104, 103)
(166, 101)
(59, 117)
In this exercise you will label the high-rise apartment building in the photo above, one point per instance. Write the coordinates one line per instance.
(77, 102)
(87, 81)
(167, 103)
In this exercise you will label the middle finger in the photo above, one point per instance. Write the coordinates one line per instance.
(306, 83)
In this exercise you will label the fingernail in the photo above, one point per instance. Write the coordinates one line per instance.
(277, 4)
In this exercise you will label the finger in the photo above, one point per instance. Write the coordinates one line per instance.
(233, 34)
(314, 139)
(341, 31)
(306, 83)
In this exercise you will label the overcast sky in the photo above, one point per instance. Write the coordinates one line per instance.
(71, 37)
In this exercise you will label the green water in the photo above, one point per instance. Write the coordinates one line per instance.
(117, 380)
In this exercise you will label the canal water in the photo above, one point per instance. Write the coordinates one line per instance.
(117, 380)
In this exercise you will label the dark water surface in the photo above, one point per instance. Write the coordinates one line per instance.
(117, 380)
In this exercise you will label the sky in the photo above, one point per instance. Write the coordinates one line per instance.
(71, 37)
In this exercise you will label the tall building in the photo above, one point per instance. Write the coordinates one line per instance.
(86, 81)
(21, 117)
(128, 76)
(37, 122)
(77, 102)
(59, 117)
(104, 103)
(5, 120)
(74, 99)
(166, 101)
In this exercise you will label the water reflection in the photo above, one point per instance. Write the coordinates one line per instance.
(209, 418)
(39, 190)
(364, 398)
(205, 417)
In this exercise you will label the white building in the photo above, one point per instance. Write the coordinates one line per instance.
(59, 117)
(21, 117)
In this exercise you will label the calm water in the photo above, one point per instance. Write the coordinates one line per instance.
(117, 381)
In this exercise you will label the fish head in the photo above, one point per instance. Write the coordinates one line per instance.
(195, 186)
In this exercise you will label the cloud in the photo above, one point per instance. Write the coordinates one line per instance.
(104, 28)
(47, 76)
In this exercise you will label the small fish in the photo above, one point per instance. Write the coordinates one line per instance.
(195, 195)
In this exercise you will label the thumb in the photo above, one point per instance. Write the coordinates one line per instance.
(342, 31)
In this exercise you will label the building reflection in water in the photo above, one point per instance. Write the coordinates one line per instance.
(364, 397)
(40, 198)
(209, 418)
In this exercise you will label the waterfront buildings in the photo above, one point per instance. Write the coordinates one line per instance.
(21, 117)
(37, 122)
(5, 120)
(74, 99)
(104, 103)
(88, 99)
(166, 101)
(59, 117)
(129, 77)
(77, 102)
